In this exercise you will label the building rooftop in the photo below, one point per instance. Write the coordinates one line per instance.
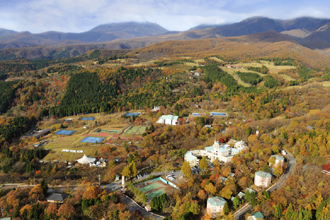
(57, 197)
(216, 201)
(257, 215)
(278, 157)
(240, 195)
(189, 156)
(223, 179)
(250, 190)
(263, 174)
(209, 148)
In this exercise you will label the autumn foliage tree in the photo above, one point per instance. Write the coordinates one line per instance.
(66, 211)
(185, 169)
(92, 192)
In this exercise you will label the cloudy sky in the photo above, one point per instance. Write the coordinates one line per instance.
(82, 15)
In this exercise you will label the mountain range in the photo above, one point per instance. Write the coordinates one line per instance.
(313, 33)
(101, 33)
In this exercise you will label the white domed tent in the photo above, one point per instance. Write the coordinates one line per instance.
(86, 160)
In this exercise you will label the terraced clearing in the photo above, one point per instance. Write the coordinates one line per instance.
(272, 68)
(236, 77)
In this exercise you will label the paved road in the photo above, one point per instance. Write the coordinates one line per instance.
(291, 164)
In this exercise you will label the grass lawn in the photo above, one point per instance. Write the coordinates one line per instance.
(325, 84)
(216, 59)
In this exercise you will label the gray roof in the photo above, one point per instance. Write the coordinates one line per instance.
(258, 215)
(278, 157)
(217, 201)
(263, 174)
(57, 197)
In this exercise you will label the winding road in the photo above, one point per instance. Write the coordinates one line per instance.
(239, 214)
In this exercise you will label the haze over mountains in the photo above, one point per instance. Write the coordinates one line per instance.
(101, 33)
(313, 33)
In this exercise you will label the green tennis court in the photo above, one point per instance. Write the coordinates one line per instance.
(156, 193)
(136, 130)
(151, 187)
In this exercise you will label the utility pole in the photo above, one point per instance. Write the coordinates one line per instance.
(99, 180)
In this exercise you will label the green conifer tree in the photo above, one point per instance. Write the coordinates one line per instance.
(235, 202)
(289, 212)
(278, 212)
(16, 213)
(226, 208)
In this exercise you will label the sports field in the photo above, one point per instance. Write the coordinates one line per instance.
(136, 130)
(92, 140)
(88, 118)
(151, 186)
(154, 187)
(65, 132)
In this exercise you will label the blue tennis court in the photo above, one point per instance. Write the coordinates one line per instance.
(88, 118)
(197, 114)
(218, 114)
(65, 132)
(132, 114)
(92, 140)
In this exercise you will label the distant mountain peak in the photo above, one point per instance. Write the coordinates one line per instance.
(140, 28)
(5, 32)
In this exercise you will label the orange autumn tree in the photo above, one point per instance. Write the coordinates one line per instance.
(27, 208)
(66, 211)
(52, 209)
(36, 193)
(12, 200)
(92, 192)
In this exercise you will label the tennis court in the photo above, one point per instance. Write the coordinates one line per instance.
(136, 130)
(152, 186)
(132, 114)
(65, 132)
(88, 118)
(218, 114)
(155, 187)
(198, 114)
(156, 193)
(92, 140)
(107, 131)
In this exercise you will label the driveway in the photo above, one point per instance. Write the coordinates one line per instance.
(291, 164)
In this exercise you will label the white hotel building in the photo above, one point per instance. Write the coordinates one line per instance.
(223, 153)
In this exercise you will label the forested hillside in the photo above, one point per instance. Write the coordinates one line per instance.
(7, 94)
(271, 96)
